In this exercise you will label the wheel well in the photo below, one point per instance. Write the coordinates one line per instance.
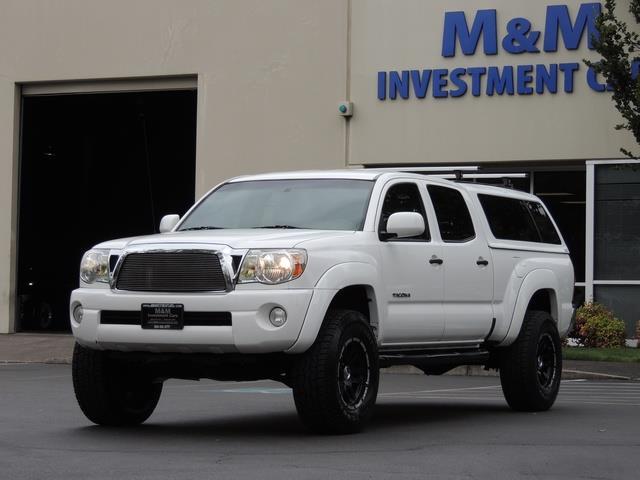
(544, 300)
(354, 297)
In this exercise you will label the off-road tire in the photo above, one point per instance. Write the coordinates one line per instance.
(321, 377)
(525, 385)
(112, 393)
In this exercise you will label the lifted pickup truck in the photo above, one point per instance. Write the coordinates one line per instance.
(319, 279)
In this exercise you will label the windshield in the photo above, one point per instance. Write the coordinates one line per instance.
(311, 204)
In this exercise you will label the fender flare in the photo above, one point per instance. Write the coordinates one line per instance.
(539, 279)
(331, 282)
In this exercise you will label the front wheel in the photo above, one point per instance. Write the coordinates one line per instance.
(531, 368)
(335, 383)
(112, 393)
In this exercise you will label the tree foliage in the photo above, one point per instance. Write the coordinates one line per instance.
(619, 46)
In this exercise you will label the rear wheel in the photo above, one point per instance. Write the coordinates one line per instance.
(335, 383)
(112, 393)
(531, 368)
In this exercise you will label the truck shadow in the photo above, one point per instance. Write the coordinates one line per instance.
(431, 413)
(388, 418)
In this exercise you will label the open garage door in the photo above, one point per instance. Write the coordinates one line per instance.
(95, 166)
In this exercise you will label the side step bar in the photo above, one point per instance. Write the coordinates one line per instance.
(435, 362)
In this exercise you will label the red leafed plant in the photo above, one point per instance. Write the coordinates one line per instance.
(596, 326)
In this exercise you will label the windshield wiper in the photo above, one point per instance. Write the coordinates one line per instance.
(201, 227)
(277, 226)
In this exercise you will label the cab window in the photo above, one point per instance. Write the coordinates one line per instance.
(403, 197)
(515, 219)
(454, 219)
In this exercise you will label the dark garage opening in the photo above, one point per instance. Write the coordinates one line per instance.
(95, 167)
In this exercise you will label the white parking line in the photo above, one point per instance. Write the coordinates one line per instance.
(583, 392)
(440, 390)
(563, 397)
(203, 384)
(270, 391)
(604, 385)
(589, 386)
(597, 395)
(494, 399)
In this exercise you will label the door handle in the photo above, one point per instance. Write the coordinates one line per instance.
(435, 260)
(482, 261)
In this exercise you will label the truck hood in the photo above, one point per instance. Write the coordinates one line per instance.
(236, 239)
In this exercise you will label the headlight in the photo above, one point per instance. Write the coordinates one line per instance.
(272, 266)
(95, 266)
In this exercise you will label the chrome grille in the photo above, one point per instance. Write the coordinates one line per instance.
(171, 272)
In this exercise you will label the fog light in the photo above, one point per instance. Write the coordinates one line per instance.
(78, 313)
(277, 317)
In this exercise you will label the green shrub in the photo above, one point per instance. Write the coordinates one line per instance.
(596, 326)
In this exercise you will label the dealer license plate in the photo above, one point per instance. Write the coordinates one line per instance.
(162, 316)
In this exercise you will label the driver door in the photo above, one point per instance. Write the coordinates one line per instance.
(412, 275)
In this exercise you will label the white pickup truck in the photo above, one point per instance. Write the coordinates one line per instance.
(319, 279)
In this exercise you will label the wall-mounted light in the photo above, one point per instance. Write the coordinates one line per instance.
(345, 109)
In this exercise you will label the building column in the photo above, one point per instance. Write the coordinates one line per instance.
(589, 233)
(9, 148)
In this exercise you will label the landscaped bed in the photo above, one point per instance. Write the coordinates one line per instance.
(602, 354)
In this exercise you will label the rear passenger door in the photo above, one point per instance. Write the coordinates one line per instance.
(467, 265)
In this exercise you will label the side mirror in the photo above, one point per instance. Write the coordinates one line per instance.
(405, 224)
(168, 222)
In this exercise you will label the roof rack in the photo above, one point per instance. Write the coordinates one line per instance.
(472, 178)
(475, 176)
(441, 169)
(458, 173)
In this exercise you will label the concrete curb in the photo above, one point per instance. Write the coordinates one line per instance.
(52, 361)
(36, 348)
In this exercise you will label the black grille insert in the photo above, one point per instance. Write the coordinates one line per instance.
(200, 319)
(171, 272)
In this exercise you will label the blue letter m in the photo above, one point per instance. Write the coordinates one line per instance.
(455, 26)
(558, 19)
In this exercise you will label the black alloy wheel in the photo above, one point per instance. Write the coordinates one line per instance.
(354, 373)
(546, 361)
(531, 367)
(335, 382)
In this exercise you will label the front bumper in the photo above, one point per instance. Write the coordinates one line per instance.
(250, 332)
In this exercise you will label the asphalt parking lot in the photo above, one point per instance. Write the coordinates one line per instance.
(424, 427)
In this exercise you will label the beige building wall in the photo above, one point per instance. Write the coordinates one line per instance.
(407, 34)
(270, 76)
